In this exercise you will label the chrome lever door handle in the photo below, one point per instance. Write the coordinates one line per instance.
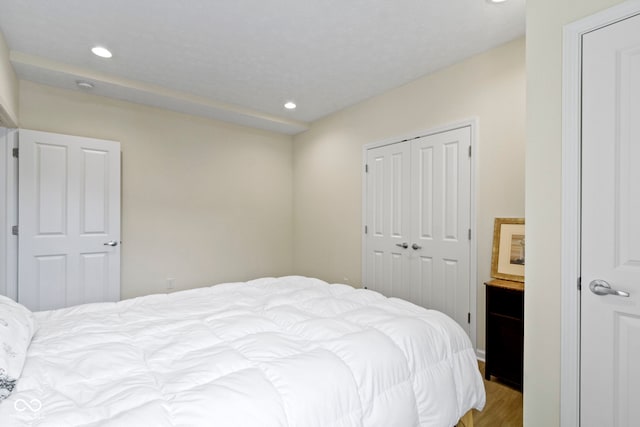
(416, 246)
(111, 243)
(601, 287)
(403, 245)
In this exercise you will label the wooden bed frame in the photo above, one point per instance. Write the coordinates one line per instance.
(466, 420)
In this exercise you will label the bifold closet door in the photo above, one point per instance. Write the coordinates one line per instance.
(417, 214)
(69, 220)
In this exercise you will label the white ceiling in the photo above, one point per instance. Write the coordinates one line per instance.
(240, 60)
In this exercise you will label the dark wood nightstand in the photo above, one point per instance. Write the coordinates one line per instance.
(505, 331)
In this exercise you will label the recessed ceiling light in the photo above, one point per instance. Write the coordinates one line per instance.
(496, 1)
(84, 85)
(290, 105)
(102, 52)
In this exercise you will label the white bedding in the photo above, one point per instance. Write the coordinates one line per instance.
(290, 351)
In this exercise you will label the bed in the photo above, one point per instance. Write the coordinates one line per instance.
(289, 351)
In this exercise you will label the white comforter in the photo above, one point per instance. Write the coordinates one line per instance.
(290, 351)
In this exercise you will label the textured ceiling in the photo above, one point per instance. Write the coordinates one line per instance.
(240, 60)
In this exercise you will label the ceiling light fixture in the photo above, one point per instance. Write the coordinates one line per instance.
(84, 85)
(102, 52)
(290, 105)
(497, 1)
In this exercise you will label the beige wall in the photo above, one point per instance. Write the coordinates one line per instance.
(328, 159)
(202, 201)
(545, 19)
(8, 88)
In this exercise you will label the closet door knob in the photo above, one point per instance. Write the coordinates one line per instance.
(403, 245)
(416, 246)
(111, 243)
(600, 287)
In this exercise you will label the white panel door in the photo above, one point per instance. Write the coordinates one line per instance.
(387, 217)
(610, 323)
(8, 213)
(417, 216)
(440, 209)
(69, 220)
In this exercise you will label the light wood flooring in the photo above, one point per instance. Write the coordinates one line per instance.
(503, 408)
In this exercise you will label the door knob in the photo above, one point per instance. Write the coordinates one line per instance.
(111, 243)
(403, 245)
(416, 246)
(601, 287)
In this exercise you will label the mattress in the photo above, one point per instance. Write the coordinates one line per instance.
(289, 351)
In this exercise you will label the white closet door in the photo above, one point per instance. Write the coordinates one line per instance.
(8, 214)
(440, 218)
(387, 217)
(610, 246)
(417, 214)
(69, 220)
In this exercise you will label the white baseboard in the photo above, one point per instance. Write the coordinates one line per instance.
(481, 355)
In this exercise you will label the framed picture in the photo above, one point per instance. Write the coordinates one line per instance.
(507, 258)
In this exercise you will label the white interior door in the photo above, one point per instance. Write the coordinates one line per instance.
(8, 214)
(440, 209)
(387, 218)
(69, 220)
(610, 323)
(417, 215)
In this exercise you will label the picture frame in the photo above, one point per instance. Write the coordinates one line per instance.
(508, 254)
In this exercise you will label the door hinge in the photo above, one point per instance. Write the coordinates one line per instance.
(366, 229)
(469, 151)
(14, 230)
(366, 168)
(579, 283)
(469, 318)
(469, 234)
(15, 152)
